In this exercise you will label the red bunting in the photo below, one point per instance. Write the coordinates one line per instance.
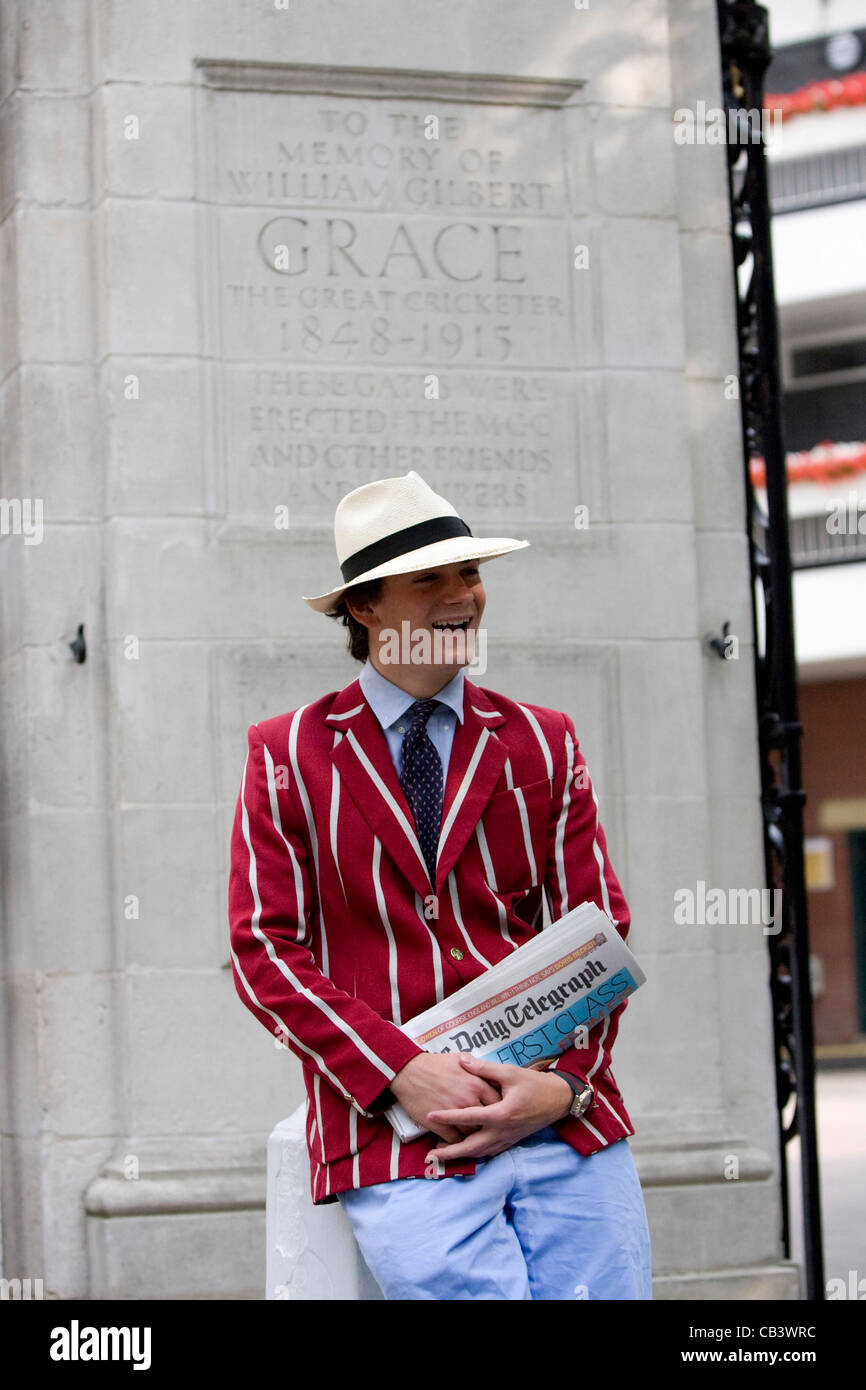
(824, 464)
(819, 96)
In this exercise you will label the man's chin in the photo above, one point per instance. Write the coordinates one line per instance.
(445, 651)
(453, 648)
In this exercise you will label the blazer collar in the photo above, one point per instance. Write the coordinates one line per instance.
(364, 763)
(389, 702)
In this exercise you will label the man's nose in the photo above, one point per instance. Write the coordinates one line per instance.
(458, 591)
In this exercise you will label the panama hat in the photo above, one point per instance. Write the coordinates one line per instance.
(397, 525)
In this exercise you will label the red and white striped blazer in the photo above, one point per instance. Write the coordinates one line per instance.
(332, 919)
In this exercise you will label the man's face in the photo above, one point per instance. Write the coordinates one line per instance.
(426, 600)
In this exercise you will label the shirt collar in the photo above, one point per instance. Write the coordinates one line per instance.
(388, 701)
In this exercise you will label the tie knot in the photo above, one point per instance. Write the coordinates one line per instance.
(421, 710)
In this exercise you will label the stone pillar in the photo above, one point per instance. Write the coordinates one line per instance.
(62, 1033)
(255, 257)
(311, 1250)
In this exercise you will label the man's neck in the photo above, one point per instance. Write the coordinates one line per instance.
(421, 682)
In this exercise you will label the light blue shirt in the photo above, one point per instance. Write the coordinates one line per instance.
(390, 703)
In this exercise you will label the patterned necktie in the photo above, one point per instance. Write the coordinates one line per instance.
(421, 780)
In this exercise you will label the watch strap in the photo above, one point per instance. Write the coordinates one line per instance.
(577, 1086)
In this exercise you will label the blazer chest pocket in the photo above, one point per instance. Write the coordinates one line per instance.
(512, 836)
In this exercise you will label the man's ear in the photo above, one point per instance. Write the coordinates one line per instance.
(361, 612)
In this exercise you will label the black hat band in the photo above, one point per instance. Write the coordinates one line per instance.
(439, 528)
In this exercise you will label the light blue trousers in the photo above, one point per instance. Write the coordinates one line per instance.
(538, 1221)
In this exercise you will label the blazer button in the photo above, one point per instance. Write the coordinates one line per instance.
(456, 953)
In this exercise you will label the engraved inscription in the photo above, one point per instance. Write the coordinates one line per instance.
(493, 438)
(361, 246)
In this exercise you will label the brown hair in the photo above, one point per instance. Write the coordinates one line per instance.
(357, 642)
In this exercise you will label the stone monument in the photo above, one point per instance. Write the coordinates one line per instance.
(254, 257)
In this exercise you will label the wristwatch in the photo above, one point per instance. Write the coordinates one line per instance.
(584, 1095)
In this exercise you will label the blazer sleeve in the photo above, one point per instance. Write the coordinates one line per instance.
(270, 903)
(579, 870)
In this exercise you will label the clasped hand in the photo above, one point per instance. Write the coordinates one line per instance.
(489, 1105)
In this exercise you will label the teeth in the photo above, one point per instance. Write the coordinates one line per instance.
(462, 622)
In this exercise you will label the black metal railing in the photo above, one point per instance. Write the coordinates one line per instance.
(818, 180)
(745, 52)
(813, 545)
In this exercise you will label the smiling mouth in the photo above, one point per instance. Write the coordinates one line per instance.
(458, 625)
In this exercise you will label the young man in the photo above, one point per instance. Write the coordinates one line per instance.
(393, 840)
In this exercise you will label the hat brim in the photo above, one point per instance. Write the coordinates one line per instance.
(447, 552)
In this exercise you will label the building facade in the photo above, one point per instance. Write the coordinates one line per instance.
(254, 256)
(817, 82)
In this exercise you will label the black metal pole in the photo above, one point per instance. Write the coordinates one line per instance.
(745, 47)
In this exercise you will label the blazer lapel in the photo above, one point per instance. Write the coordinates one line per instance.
(475, 766)
(363, 760)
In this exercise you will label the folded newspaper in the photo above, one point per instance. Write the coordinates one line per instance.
(532, 1006)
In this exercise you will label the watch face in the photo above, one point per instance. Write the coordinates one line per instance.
(582, 1100)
